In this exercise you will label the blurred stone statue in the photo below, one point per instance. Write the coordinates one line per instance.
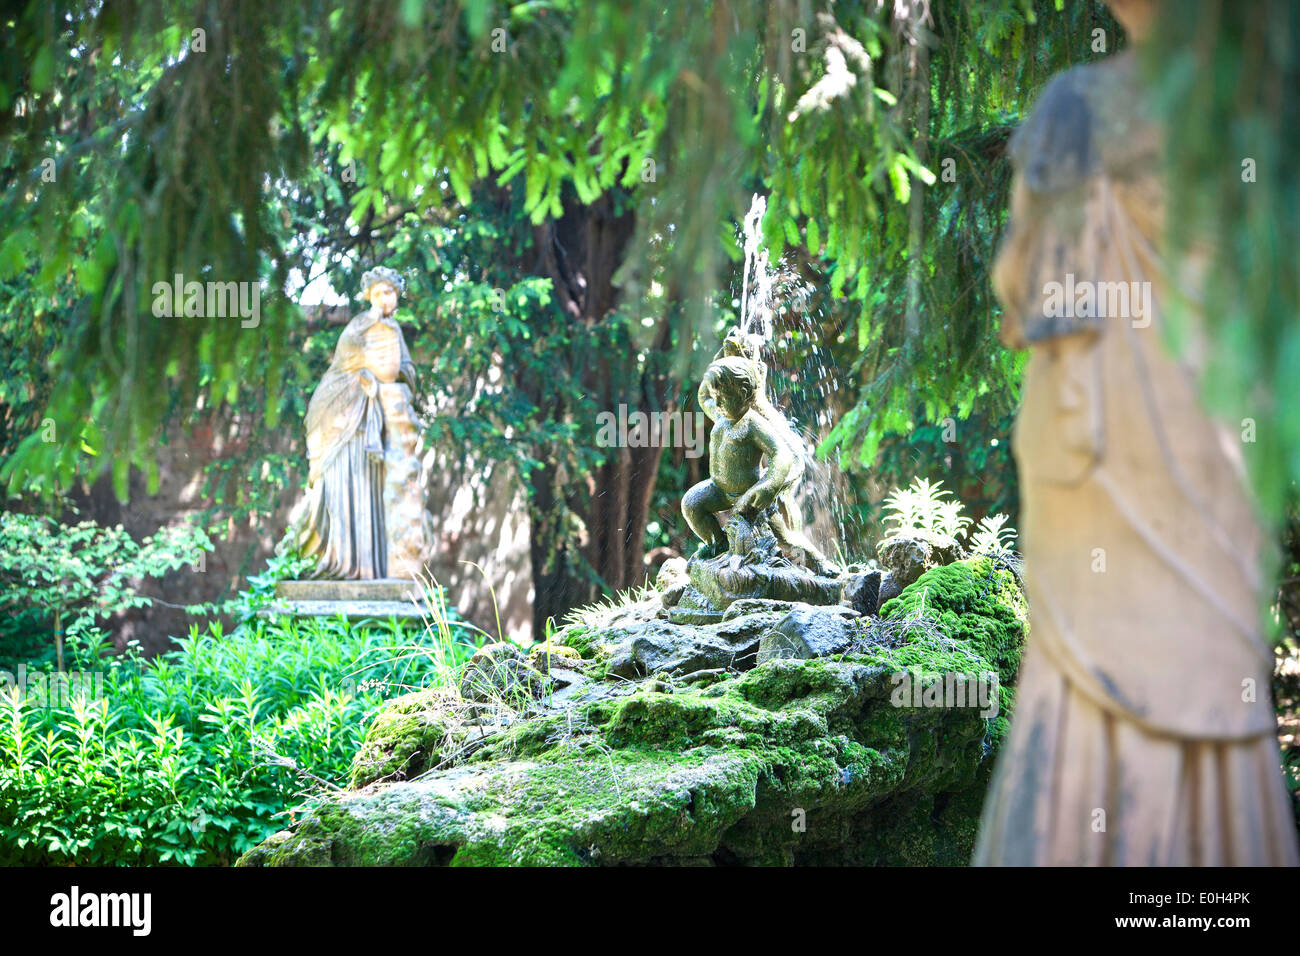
(364, 515)
(1143, 730)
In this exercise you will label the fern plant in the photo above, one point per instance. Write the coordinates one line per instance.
(924, 506)
(927, 506)
(993, 536)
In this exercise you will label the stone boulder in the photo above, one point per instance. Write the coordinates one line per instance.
(563, 666)
(672, 580)
(795, 761)
(498, 672)
(404, 735)
(665, 647)
(808, 632)
(889, 589)
(861, 591)
(909, 554)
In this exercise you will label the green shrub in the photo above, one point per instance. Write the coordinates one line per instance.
(196, 756)
(59, 580)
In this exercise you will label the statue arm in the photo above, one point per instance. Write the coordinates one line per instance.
(780, 470)
(708, 403)
(349, 364)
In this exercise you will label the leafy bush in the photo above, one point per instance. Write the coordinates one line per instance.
(195, 757)
(65, 578)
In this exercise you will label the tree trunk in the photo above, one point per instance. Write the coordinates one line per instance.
(581, 252)
(558, 582)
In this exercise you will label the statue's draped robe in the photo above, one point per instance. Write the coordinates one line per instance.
(1143, 730)
(341, 521)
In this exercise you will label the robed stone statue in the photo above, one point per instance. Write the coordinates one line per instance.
(364, 513)
(1143, 731)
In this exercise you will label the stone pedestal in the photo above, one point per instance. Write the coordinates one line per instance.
(354, 599)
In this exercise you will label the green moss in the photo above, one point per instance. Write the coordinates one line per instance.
(404, 739)
(581, 638)
(647, 782)
(1000, 725)
(779, 682)
(792, 762)
(975, 603)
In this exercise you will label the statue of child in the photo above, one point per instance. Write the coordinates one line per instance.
(743, 434)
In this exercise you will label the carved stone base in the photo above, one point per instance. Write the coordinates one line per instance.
(373, 589)
(354, 599)
(729, 578)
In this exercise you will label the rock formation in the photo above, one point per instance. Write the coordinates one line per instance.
(629, 739)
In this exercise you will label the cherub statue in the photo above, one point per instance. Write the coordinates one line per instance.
(747, 428)
(364, 515)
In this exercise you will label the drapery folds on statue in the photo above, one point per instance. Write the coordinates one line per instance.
(1143, 730)
(364, 514)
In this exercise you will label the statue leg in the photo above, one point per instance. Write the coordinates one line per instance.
(700, 507)
(788, 530)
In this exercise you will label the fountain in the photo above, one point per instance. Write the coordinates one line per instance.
(761, 553)
(682, 724)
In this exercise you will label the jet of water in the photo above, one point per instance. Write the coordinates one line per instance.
(766, 290)
(756, 273)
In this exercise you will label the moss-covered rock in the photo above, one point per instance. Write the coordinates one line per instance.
(911, 553)
(406, 737)
(498, 672)
(792, 762)
(977, 604)
(544, 655)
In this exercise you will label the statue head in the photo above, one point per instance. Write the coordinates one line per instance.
(1135, 16)
(380, 287)
(734, 384)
